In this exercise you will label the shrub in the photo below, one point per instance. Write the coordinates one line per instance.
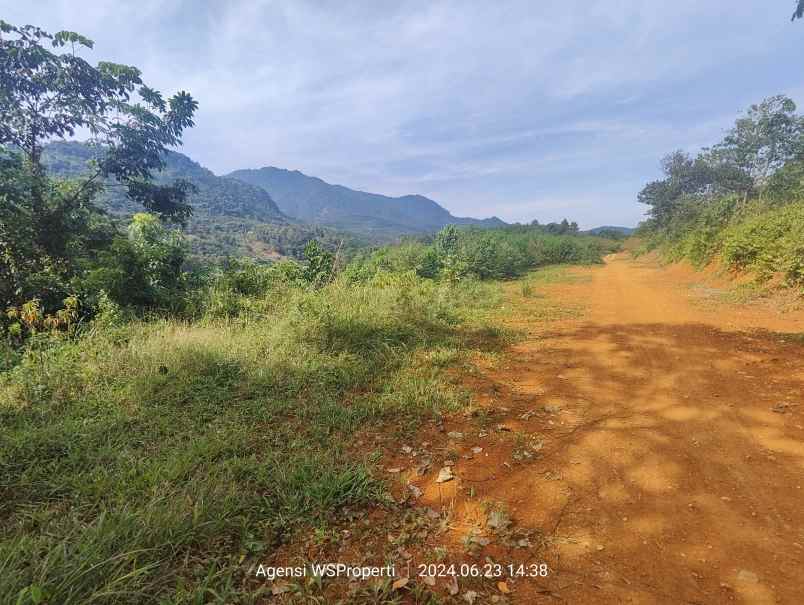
(482, 253)
(768, 242)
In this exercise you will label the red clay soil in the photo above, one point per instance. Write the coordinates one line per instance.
(655, 444)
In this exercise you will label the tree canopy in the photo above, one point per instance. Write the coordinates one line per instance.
(45, 94)
(764, 140)
(767, 138)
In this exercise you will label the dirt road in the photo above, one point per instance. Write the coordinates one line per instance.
(655, 442)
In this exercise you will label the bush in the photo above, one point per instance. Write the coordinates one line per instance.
(768, 242)
(762, 237)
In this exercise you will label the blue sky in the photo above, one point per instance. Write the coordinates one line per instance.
(517, 109)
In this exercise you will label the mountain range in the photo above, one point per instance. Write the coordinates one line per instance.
(609, 229)
(317, 202)
(271, 212)
(215, 196)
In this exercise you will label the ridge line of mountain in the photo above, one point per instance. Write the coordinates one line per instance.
(313, 200)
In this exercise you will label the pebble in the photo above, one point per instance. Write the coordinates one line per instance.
(747, 576)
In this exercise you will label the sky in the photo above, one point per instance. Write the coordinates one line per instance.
(523, 110)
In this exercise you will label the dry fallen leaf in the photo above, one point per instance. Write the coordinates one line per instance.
(279, 588)
(444, 475)
(429, 580)
(400, 583)
(452, 585)
(503, 587)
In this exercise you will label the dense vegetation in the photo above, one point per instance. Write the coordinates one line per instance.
(58, 251)
(148, 458)
(741, 201)
(484, 253)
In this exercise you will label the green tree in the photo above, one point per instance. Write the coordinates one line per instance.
(787, 183)
(46, 95)
(762, 141)
(429, 265)
(320, 264)
(446, 241)
(44, 242)
(696, 179)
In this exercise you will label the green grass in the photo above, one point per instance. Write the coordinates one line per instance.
(150, 461)
(556, 274)
(540, 308)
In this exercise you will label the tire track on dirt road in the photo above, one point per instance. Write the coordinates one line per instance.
(670, 457)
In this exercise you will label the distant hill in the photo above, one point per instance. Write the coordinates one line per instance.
(216, 196)
(315, 201)
(230, 217)
(610, 229)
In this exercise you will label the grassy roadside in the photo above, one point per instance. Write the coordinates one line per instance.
(146, 460)
(414, 527)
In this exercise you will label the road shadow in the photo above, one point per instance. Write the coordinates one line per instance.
(670, 460)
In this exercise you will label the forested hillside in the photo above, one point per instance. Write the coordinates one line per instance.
(740, 202)
(230, 217)
(315, 201)
(214, 195)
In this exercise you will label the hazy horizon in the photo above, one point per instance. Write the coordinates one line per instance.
(523, 112)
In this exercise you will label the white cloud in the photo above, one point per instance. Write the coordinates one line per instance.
(483, 106)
